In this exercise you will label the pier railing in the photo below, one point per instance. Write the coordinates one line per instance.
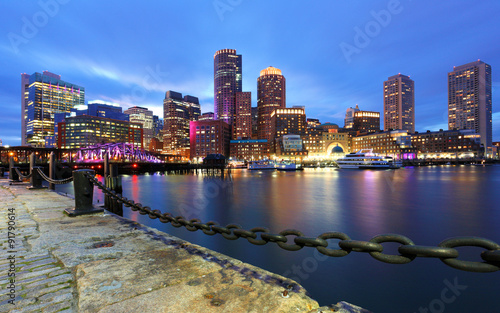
(85, 180)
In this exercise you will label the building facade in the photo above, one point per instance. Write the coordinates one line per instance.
(399, 103)
(286, 121)
(242, 127)
(366, 121)
(395, 143)
(248, 149)
(85, 130)
(44, 95)
(349, 117)
(271, 95)
(209, 137)
(447, 144)
(178, 112)
(207, 116)
(227, 81)
(144, 117)
(290, 147)
(312, 123)
(470, 101)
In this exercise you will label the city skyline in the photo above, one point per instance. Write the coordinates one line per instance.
(330, 64)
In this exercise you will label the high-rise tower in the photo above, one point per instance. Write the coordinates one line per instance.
(178, 112)
(469, 99)
(399, 103)
(44, 95)
(271, 95)
(227, 82)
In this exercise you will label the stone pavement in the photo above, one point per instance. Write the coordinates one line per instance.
(104, 263)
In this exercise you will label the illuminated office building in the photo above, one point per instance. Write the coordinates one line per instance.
(209, 137)
(349, 117)
(144, 117)
(366, 121)
(399, 103)
(42, 96)
(85, 130)
(242, 126)
(227, 82)
(207, 116)
(271, 95)
(469, 100)
(178, 112)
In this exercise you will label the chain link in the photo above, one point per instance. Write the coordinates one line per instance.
(21, 174)
(407, 250)
(54, 181)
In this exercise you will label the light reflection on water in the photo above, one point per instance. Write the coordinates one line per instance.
(426, 204)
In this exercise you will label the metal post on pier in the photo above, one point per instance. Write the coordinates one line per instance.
(36, 179)
(13, 176)
(116, 185)
(52, 170)
(84, 193)
(106, 181)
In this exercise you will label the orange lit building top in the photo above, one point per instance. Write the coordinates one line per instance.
(270, 71)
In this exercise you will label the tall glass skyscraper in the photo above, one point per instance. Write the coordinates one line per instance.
(469, 99)
(227, 82)
(144, 117)
(271, 95)
(178, 111)
(399, 103)
(44, 95)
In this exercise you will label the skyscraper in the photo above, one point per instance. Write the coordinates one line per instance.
(144, 117)
(177, 113)
(227, 81)
(242, 127)
(399, 103)
(42, 96)
(469, 99)
(349, 117)
(271, 95)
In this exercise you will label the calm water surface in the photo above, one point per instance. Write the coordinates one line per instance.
(426, 204)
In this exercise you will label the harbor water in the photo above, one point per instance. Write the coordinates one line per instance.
(426, 204)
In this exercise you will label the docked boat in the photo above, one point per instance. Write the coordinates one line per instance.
(365, 159)
(261, 165)
(288, 166)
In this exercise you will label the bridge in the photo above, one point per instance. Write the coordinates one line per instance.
(118, 153)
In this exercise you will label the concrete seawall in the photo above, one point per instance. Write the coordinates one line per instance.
(105, 263)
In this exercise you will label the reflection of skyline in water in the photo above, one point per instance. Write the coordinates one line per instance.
(426, 204)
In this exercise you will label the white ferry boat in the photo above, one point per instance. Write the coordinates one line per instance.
(261, 165)
(366, 159)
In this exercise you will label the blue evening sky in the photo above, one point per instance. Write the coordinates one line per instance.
(334, 54)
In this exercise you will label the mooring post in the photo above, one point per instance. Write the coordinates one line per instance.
(84, 193)
(106, 180)
(13, 176)
(52, 170)
(116, 186)
(36, 178)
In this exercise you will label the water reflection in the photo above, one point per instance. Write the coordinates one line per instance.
(426, 204)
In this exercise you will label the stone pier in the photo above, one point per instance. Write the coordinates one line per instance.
(105, 263)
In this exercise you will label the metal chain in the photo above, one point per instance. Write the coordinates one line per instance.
(408, 251)
(54, 181)
(21, 174)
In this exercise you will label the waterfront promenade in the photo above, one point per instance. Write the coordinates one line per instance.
(105, 263)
